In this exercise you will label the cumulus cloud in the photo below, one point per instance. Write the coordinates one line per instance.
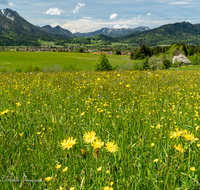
(11, 4)
(4, 2)
(113, 16)
(54, 11)
(78, 7)
(149, 14)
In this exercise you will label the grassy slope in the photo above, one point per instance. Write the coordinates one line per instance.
(12, 60)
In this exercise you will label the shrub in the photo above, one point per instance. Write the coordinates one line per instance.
(18, 70)
(166, 63)
(102, 64)
(36, 69)
(145, 64)
(155, 63)
(195, 59)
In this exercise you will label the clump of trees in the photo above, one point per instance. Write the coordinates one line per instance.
(159, 57)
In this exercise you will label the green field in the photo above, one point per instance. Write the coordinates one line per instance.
(130, 130)
(85, 62)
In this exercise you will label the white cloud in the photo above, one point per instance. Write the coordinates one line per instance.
(117, 26)
(11, 4)
(149, 14)
(113, 16)
(54, 11)
(87, 18)
(139, 17)
(78, 7)
(181, 3)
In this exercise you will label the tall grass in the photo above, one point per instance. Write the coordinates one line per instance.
(137, 111)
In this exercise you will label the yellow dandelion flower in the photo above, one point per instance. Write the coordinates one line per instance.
(179, 148)
(152, 144)
(198, 145)
(58, 166)
(176, 134)
(89, 137)
(106, 188)
(97, 144)
(71, 188)
(111, 183)
(99, 169)
(111, 147)
(38, 133)
(48, 178)
(156, 160)
(65, 169)
(192, 169)
(190, 137)
(107, 171)
(69, 143)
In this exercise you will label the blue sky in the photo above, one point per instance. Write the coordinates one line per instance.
(87, 16)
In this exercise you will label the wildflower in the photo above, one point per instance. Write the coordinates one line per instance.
(21, 134)
(107, 171)
(179, 148)
(106, 188)
(198, 145)
(152, 144)
(176, 134)
(38, 133)
(58, 166)
(61, 188)
(4, 112)
(83, 151)
(48, 178)
(97, 144)
(65, 169)
(156, 160)
(18, 104)
(192, 169)
(71, 188)
(111, 147)
(68, 143)
(89, 137)
(99, 169)
(190, 137)
(111, 183)
(96, 152)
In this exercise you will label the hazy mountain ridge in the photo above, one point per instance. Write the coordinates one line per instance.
(166, 34)
(112, 32)
(57, 30)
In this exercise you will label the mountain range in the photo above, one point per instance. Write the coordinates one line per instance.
(15, 30)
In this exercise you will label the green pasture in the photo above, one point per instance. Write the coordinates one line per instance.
(85, 62)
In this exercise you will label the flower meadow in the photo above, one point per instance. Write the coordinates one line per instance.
(100, 130)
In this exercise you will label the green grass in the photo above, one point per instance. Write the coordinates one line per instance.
(137, 111)
(22, 60)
